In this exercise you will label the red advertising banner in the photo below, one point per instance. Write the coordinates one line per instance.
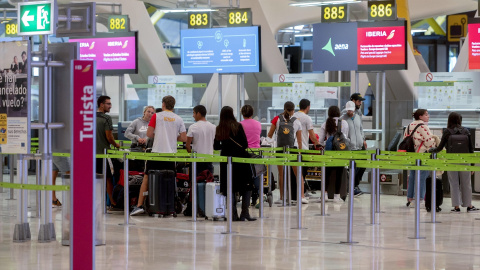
(381, 45)
(474, 46)
(83, 165)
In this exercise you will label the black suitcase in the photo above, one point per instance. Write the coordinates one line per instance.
(161, 192)
(428, 194)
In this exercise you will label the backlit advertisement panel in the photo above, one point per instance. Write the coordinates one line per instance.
(474, 46)
(115, 54)
(382, 46)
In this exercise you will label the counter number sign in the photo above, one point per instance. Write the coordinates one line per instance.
(382, 10)
(11, 28)
(118, 23)
(335, 13)
(239, 17)
(199, 20)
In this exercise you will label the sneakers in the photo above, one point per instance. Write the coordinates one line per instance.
(304, 201)
(56, 203)
(456, 210)
(471, 209)
(357, 192)
(137, 211)
(337, 199)
(279, 202)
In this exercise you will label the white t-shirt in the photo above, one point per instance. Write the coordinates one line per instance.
(203, 134)
(307, 125)
(168, 127)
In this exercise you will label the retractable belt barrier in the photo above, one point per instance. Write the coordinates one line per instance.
(301, 158)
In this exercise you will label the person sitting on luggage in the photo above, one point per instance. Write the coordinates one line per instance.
(457, 139)
(201, 135)
(283, 125)
(424, 140)
(167, 128)
(333, 175)
(137, 130)
(231, 140)
(252, 129)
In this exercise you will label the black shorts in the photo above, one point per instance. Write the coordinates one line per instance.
(159, 165)
(99, 169)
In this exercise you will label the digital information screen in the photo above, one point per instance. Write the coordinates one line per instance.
(221, 50)
(382, 46)
(115, 53)
(335, 46)
(474, 45)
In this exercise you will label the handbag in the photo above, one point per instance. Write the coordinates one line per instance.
(257, 169)
(340, 143)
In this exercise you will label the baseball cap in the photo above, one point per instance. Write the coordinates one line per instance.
(357, 96)
(350, 106)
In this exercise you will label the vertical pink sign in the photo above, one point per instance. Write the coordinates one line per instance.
(82, 232)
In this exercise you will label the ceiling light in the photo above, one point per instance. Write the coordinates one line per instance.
(312, 4)
(185, 10)
(418, 30)
(304, 35)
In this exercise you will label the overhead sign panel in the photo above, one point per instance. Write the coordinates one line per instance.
(474, 45)
(382, 10)
(382, 46)
(221, 50)
(36, 18)
(335, 13)
(335, 46)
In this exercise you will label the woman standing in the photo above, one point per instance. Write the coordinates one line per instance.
(329, 128)
(287, 128)
(252, 129)
(457, 139)
(137, 130)
(424, 140)
(231, 140)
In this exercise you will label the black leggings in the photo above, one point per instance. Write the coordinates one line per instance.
(334, 174)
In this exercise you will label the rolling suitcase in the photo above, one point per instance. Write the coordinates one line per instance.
(161, 193)
(214, 202)
(428, 194)
(201, 198)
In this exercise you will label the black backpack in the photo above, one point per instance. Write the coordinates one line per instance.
(458, 142)
(286, 132)
(340, 143)
(408, 144)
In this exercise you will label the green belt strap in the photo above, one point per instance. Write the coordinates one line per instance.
(34, 187)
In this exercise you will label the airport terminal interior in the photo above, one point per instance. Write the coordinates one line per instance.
(385, 67)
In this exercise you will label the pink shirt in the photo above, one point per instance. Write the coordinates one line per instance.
(252, 129)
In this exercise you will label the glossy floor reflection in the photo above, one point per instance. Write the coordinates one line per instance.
(270, 243)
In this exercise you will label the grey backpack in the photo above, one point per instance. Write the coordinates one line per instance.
(286, 132)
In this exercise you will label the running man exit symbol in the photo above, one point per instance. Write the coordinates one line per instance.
(36, 18)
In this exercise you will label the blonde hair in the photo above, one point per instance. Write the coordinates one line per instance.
(148, 107)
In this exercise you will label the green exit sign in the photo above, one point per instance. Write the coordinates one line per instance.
(36, 18)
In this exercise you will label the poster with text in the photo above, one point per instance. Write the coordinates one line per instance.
(14, 98)
(166, 85)
(303, 86)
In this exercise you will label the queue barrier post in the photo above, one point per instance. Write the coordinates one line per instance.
(22, 229)
(299, 194)
(350, 205)
(11, 170)
(260, 192)
(373, 193)
(38, 193)
(417, 202)
(433, 208)
(377, 203)
(289, 181)
(104, 171)
(322, 189)
(194, 189)
(229, 197)
(126, 192)
(284, 200)
(1, 172)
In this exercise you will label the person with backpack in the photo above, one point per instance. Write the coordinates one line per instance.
(457, 139)
(423, 140)
(327, 131)
(287, 128)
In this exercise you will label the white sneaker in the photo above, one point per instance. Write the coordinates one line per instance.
(337, 199)
(304, 201)
(422, 204)
(278, 202)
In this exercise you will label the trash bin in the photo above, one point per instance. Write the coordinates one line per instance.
(99, 213)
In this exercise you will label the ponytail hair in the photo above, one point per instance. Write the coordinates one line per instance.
(287, 107)
(330, 125)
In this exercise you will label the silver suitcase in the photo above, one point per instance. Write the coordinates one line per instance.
(214, 202)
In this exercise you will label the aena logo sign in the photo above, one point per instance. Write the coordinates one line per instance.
(331, 49)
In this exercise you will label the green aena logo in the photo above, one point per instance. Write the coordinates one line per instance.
(329, 48)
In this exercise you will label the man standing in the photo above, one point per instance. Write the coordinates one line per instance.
(166, 128)
(307, 124)
(104, 136)
(201, 135)
(353, 115)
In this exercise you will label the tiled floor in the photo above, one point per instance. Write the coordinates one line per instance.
(270, 243)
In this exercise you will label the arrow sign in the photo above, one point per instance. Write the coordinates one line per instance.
(37, 18)
(27, 18)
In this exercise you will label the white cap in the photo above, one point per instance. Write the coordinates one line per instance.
(350, 106)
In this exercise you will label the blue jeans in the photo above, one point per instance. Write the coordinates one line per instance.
(411, 184)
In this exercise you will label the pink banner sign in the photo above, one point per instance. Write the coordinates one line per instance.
(82, 233)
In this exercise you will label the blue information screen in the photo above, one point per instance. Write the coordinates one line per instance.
(221, 50)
